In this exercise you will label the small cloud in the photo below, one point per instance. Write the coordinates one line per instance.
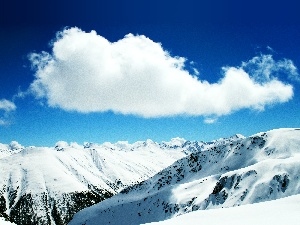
(264, 68)
(87, 73)
(210, 120)
(6, 107)
(271, 49)
(196, 72)
(4, 122)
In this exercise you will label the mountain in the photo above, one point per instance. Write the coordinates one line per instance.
(277, 212)
(225, 173)
(48, 185)
(12, 148)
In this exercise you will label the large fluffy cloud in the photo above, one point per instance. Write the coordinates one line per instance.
(87, 73)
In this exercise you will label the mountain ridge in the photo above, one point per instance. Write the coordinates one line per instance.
(47, 185)
(144, 181)
(232, 172)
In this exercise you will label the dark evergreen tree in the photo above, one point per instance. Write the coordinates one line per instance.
(56, 216)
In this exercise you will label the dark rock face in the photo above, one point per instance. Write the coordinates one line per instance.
(281, 182)
(42, 209)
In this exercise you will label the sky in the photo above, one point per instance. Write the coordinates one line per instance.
(98, 71)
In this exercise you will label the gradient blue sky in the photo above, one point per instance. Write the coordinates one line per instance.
(211, 34)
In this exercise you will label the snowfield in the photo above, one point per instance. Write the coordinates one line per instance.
(53, 183)
(276, 212)
(226, 173)
(235, 180)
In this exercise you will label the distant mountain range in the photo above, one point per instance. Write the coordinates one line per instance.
(48, 185)
(132, 184)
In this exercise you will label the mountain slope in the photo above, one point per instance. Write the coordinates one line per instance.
(276, 212)
(229, 172)
(41, 185)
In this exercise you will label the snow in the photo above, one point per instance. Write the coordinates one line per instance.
(157, 181)
(4, 222)
(276, 212)
(65, 168)
(226, 173)
(175, 142)
(185, 192)
(69, 168)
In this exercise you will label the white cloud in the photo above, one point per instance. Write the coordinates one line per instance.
(87, 73)
(6, 107)
(210, 120)
(3, 122)
(265, 68)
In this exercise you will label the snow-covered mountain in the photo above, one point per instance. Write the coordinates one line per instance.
(9, 149)
(48, 185)
(224, 173)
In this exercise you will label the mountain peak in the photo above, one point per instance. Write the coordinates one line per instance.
(237, 136)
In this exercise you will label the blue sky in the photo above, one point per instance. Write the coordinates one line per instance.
(200, 71)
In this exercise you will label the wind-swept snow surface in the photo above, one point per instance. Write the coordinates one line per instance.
(225, 173)
(276, 212)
